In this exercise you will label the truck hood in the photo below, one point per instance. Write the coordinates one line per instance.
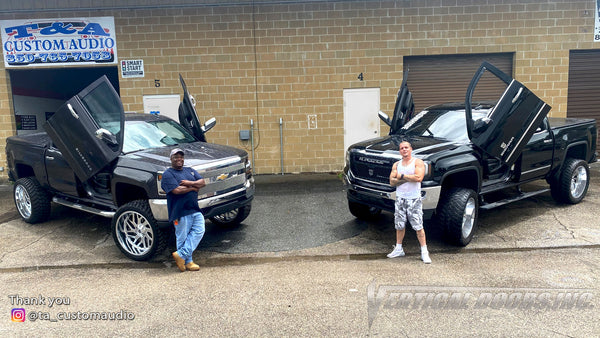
(422, 146)
(196, 154)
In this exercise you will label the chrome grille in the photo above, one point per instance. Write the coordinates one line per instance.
(371, 168)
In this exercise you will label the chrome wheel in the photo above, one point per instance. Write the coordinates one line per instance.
(233, 217)
(227, 217)
(468, 219)
(31, 200)
(134, 233)
(579, 182)
(572, 182)
(457, 214)
(23, 201)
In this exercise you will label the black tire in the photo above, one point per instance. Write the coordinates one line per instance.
(458, 215)
(136, 232)
(362, 211)
(32, 201)
(572, 183)
(233, 217)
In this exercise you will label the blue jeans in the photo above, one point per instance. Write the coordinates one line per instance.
(189, 233)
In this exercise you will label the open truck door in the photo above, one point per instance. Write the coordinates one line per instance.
(510, 124)
(188, 117)
(88, 128)
(404, 108)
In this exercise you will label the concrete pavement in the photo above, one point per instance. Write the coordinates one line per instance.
(509, 294)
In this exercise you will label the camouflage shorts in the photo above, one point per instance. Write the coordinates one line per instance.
(410, 210)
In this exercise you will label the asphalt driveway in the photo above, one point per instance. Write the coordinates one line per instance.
(299, 216)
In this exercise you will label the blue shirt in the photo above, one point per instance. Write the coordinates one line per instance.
(182, 204)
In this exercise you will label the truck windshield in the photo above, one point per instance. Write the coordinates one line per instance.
(445, 124)
(153, 134)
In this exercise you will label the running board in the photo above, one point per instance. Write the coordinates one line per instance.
(95, 211)
(513, 199)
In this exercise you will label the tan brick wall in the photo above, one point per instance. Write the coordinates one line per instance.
(303, 55)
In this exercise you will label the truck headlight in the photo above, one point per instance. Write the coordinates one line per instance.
(159, 176)
(248, 168)
(347, 158)
(428, 171)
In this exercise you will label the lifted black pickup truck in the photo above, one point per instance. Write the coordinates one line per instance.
(98, 159)
(478, 155)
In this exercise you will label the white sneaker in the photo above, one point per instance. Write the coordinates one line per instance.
(425, 257)
(398, 252)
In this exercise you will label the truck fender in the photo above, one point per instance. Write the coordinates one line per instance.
(466, 177)
(578, 150)
(29, 165)
(460, 171)
(142, 181)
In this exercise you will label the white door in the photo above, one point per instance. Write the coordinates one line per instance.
(163, 104)
(361, 120)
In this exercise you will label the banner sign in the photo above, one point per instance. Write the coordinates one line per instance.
(597, 22)
(72, 41)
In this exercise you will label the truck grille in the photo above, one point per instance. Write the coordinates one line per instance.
(222, 177)
(371, 168)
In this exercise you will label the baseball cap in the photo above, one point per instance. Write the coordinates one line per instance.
(176, 151)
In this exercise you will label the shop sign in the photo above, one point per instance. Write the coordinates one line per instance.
(597, 21)
(72, 41)
(132, 68)
(26, 122)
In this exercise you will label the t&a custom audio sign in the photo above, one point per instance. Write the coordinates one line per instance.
(72, 41)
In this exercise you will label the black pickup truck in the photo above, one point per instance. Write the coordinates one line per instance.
(96, 158)
(478, 154)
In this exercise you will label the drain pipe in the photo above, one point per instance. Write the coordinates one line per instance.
(281, 141)
(252, 141)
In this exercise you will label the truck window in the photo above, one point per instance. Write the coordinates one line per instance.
(444, 124)
(104, 108)
(142, 135)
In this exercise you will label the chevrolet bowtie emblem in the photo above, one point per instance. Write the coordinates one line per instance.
(222, 177)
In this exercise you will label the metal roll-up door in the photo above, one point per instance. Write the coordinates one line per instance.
(584, 85)
(439, 79)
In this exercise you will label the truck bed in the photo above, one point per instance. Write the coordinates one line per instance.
(559, 122)
(41, 140)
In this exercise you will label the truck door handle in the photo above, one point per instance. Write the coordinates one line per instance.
(50, 158)
(548, 141)
(517, 96)
(72, 111)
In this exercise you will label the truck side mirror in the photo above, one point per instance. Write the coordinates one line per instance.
(385, 118)
(209, 124)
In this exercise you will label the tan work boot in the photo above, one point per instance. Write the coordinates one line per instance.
(192, 266)
(179, 261)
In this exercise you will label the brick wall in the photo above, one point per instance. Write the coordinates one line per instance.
(278, 59)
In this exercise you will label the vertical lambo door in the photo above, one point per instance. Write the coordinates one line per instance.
(88, 128)
(511, 123)
(188, 117)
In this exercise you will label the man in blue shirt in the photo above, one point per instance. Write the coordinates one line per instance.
(181, 185)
